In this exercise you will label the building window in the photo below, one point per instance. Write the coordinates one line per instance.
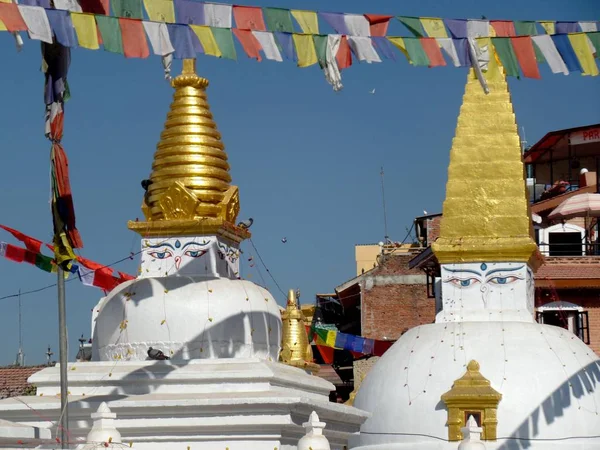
(563, 239)
(568, 316)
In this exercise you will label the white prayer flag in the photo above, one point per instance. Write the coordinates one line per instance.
(478, 28)
(158, 34)
(357, 25)
(548, 49)
(332, 71)
(448, 46)
(68, 5)
(588, 26)
(268, 44)
(363, 48)
(37, 22)
(86, 275)
(480, 58)
(217, 15)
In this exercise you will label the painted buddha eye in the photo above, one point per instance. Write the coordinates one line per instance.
(464, 282)
(504, 280)
(161, 254)
(195, 253)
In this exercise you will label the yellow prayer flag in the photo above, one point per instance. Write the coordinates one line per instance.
(85, 28)
(434, 27)
(308, 21)
(399, 43)
(493, 72)
(579, 42)
(207, 39)
(160, 10)
(549, 26)
(305, 49)
(331, 335)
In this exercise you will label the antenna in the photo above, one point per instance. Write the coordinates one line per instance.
(387, 238)
(49, 354)
(20, 355)
(523, 140)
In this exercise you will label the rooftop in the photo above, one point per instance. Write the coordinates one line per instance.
(13, 380)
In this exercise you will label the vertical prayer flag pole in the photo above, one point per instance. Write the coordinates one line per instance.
(63, 357)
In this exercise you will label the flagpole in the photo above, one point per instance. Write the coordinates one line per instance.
(63, 357)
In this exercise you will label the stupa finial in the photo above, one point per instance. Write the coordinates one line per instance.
(189, 190)
(486, 215)
(295, 348)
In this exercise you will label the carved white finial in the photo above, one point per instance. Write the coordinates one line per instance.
(471, 436)
(314, 439)
(103, 428)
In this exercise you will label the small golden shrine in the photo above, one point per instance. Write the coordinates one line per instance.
(295, 349)
(472, 395)
(189, 191)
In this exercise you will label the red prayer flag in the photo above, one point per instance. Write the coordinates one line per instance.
(523, 47)
(105, 280)
(101, 7)
(379, 24)
(11, 17)
(134, 38)
(249, 18)
(249, 43)
(15, 253)
(32, 244)
(433, 52)
(381, 347)
(326, 353)
(125, 277)
(504, 28)
(344, 54)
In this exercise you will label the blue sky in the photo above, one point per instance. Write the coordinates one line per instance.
(306, 159)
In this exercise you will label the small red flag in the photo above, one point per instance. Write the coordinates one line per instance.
(379, 24)
(11, 17)
(14, 253)
(249, 43)
(523, 47)
(433, 52)
(344, 54)
(249, 18)
(504, 28)
(134, 38)
(32, 244)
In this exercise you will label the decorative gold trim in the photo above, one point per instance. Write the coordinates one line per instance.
(472, 393)
(177, 203)
(209, 225)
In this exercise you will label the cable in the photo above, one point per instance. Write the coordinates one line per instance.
(266, 268)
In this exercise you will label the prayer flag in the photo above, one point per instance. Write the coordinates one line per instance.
(504, 49)
(595, 40)
(134, 39)
(413, 24)
(433, 52)
(249, 18)
(581, 46)
(268, 44)
(566, 27)
(249, 43)
(546, 45)
(525, 28)
(37, 23)
(160, 10)
(224, 40)
(523, 48)
(14, 253)
(384, 47)
(357, 25)
(11, 17)
(588, 26)
(447, 45)
(207, 39)
(132, 9)
(85, 28)
(305, 49)
(457, 27)
(32, 244)
(278, 19)
(217, 15)
(381, 347)
(416, 54)
(286, 44)
(189, 12)
(400, 45)
(308, 21)
(335, 21)
(344, 54)
(368, 346)
(378, 24)
(321, 49)
(111, 33)
(341, 340)
(158, 34)
(463, 50)
(564, 47)
(95, 6)
(60, 22)
(504, 28)
(434, 27)
(331, 69)
(478, 28)
(363, 49)
(182, 40)
(330, 341)
(548, 26)
(356, 344)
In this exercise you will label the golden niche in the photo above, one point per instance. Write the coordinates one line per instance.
(472, 395)
(295, 349)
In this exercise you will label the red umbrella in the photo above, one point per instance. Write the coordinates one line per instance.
(582, 205)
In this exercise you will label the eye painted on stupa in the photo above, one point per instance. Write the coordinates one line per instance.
(161, 254)
(194, 253)
(463, 282)
(194, 249)
(504, 280)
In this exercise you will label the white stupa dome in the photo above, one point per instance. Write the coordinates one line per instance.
(187, 318)
(548, 378)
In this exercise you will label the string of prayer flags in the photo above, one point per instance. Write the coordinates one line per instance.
(342, 341)
(581, 46)
(31, 244)
(20, 255)
(101, 278)
(565, 49)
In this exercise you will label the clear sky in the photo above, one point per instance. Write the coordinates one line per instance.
(306, 159)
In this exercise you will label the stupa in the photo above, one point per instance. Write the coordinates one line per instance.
(186, 355)
(527, 385)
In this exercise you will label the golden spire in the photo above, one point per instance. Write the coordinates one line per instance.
(190, 191)
(486, 216)
(295, 349)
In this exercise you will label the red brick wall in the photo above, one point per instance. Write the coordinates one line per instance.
(389, 310)
(433, 229)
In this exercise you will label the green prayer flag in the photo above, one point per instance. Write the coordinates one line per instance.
(322, 334)
(321, 47)
(111, 33)
(506, 53)
(413, 24)
(525, 28)
(132, 9)
(539, 56)
(595, 38)
(416, 53)
(224, 40)
(43, 262)
(278, 19)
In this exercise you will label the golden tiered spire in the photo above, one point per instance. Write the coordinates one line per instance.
(190, 191)
(486, 215)
(295, 348)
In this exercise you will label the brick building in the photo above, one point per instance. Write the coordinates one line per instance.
(13, 380)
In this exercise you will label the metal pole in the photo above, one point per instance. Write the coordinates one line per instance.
(63, 356)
